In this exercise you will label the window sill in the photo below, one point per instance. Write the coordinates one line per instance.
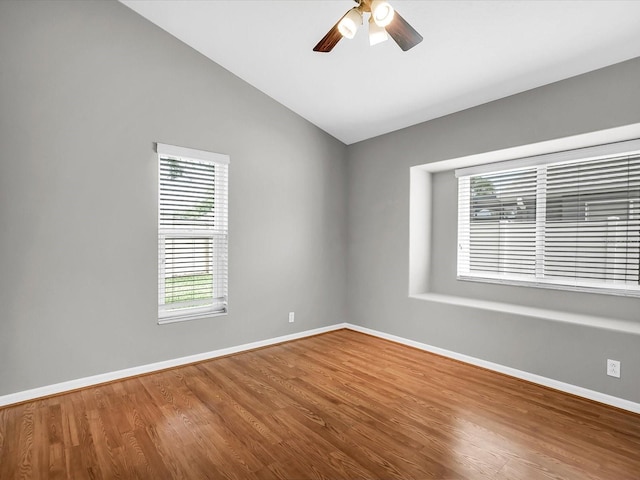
(185, 318)
(621, 291)
(625, 326)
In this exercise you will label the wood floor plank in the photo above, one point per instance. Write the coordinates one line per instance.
(337, 406)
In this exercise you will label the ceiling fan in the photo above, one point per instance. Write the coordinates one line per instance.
(382, 21)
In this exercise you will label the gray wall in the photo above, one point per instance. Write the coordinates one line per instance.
(378, 238)
(86, 88)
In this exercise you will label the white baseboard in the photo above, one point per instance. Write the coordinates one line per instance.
(62, 387)
(176, 362)
(513, 372)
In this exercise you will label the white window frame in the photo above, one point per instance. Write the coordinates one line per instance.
(218, 236)
(540, 163)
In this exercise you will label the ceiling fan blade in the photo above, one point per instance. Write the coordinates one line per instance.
(330, 40)
(404, 34)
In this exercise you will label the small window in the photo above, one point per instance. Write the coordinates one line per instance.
(192, 233)
(571, 224)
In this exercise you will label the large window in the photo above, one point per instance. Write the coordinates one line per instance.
(571, 224)
(192, 233)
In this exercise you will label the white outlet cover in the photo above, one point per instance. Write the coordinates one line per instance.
(613, 368)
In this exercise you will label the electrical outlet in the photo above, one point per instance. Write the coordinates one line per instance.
(613, 368)
(292, 317)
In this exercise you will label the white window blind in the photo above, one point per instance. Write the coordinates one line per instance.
(192, 233)
(572, 225)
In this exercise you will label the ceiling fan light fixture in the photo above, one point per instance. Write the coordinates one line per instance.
(349, 24)
(381, 12)
(383, 21)
(377, 34)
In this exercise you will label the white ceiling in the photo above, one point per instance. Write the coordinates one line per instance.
(473, 52)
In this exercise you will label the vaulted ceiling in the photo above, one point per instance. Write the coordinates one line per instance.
(473, 52)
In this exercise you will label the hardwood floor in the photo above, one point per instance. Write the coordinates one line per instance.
(341, 405)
